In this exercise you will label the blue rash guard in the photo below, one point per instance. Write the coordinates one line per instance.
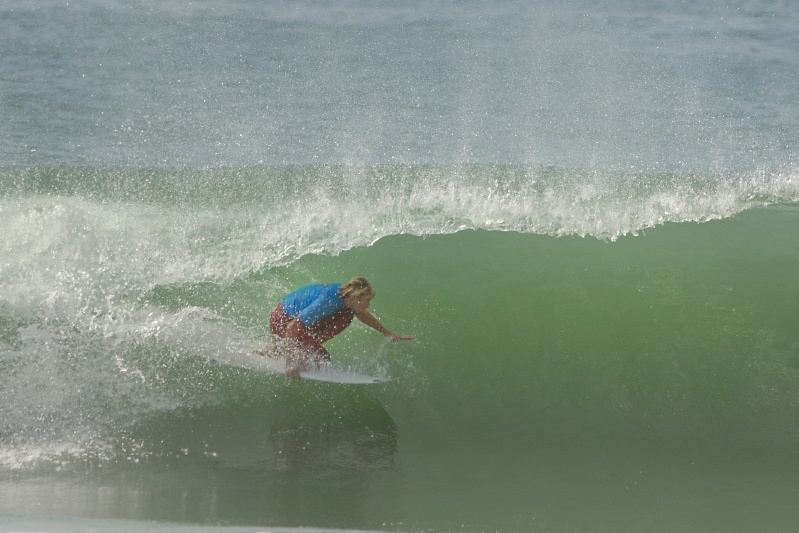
(313, 302)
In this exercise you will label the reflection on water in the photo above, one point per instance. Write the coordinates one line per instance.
(301, 427)
(329, 433)
(305, 454)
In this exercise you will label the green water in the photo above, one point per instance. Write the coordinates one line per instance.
(685, 333)
(556, 384)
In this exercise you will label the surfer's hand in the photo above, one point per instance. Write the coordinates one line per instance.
(398, 337)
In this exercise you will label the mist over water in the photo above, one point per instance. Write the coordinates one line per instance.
(586, 213)
(640, 87)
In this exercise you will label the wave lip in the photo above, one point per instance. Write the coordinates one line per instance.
(299, 209)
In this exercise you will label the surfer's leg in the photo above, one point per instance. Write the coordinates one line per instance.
(331, 325)
(301, 356)
(278, 321)
(303, 349)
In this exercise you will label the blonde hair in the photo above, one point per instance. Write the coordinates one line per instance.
(357, 288)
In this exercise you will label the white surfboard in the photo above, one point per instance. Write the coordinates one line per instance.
(261, 361)
(331, 374)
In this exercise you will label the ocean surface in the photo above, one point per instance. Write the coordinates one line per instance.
(586, 212)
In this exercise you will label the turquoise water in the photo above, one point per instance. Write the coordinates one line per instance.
(587, 215)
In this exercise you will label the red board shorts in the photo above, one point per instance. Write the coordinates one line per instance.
(315, 334)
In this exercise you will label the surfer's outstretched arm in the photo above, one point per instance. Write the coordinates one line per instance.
(370, 320)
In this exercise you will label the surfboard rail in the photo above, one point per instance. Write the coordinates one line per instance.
(331, 374)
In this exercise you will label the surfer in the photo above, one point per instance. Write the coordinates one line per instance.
(314, 314)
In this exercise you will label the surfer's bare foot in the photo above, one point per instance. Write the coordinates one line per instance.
(294, 373)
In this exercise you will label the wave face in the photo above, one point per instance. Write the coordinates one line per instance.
(553, 308)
